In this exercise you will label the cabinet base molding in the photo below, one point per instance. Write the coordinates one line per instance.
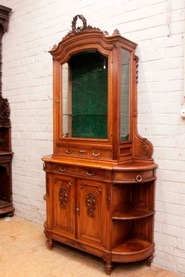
(132, 250)
(6, 208)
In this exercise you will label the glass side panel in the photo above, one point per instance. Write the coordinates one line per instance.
(85, 96)
(65, 99)
(125, 95)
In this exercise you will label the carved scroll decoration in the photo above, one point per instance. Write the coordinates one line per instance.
(108, 175)
(47, 185)
(145, 150)
(90, 204)
(78, 245)
(108, 196)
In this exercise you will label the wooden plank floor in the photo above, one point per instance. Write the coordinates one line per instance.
(24, 253)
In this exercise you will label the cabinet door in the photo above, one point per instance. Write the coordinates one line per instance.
(91, 216)
(63, 204)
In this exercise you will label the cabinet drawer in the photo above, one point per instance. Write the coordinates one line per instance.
(134, 176)
(80, 171)
(86, 153)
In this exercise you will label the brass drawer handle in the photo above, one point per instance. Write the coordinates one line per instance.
(69, 151)
(96, 155)
(82, 151)
(90, 174)
(139, 178)
(62, 169)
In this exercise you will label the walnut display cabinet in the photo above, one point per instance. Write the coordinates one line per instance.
(6, 154)
(100, 178)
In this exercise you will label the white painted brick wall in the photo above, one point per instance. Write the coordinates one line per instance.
(158, 26)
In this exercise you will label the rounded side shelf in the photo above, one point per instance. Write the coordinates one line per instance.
(132, 250)
(132, 213)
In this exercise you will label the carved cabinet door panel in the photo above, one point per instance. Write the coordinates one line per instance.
(91, 212)
(63, 204)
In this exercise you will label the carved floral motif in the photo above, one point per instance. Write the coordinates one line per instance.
(4, 108)
(90, 204)
(63, 197)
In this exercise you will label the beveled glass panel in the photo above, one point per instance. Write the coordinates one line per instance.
(85, 96)
(125, 95)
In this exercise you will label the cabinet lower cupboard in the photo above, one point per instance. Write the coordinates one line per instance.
(6, 203)
(77, 209)
(106, 212)
(100, 178)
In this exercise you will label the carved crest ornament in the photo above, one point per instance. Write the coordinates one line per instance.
(75, 29)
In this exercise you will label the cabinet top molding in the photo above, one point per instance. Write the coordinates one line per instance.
(82, 29)
(4, 18)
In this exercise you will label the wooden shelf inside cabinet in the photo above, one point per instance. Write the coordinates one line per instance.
(132, 213)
